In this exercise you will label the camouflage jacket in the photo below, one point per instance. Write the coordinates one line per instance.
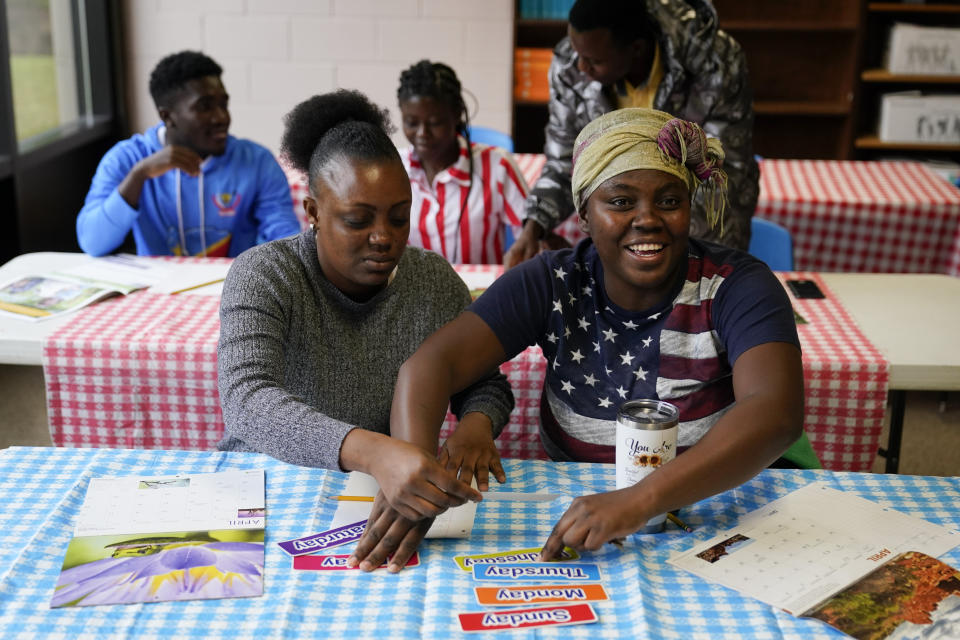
(705, 81)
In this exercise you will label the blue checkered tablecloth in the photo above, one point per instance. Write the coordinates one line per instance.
(43, 489)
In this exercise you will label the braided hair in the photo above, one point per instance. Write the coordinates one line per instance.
(335, 125)
(436, 80)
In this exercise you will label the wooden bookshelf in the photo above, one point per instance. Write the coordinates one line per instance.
(804, 60)
(882, 75)
(875, 80)
(872, 142)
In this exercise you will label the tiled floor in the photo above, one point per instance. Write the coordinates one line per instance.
(931, 440)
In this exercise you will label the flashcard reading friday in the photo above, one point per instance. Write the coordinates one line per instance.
(523, 618)
(534, 571)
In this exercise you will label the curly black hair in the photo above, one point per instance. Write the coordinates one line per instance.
(332, 125)
(173, 72)
(627, 20)
(438, 81)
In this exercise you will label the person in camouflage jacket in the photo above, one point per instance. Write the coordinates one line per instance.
(705, 80)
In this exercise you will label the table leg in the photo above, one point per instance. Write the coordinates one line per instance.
(898, 405)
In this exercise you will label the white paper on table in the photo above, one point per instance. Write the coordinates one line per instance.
(122, 272)
(478, 280)
(231, 499)
(804, 547)
(191, 276)
(456, 522)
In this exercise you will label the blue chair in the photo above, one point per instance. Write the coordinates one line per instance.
(491, 136)
(771, 243)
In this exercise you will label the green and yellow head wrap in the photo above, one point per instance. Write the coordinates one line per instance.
(629, 139)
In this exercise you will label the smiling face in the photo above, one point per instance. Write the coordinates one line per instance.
(640, 224)
(431, 127)
(361, 214)
(600, 56)
(198, 118)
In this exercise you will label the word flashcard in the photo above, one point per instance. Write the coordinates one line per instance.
(325, 540)
(537, 571)
(509, 557)
(539, 594)
(525, 618)
(339, 563)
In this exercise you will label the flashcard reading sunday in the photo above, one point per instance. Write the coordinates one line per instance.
(150, 539)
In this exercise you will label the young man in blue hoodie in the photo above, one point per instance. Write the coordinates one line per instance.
(185, 186)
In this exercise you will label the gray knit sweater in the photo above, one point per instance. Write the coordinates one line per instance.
(300, 364)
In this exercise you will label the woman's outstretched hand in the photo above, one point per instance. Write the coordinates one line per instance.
(471, 453)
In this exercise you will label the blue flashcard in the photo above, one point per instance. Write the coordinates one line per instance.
(534, 571)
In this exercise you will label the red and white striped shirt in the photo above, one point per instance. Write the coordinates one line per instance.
(495, 200)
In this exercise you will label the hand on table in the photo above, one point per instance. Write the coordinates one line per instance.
(387, 534)
(414, 483)
(470, 452)
(591, 521)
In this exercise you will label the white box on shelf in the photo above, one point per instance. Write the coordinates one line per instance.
(917, 50)
(915, 118)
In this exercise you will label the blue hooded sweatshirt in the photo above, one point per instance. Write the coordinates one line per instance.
(241, 198)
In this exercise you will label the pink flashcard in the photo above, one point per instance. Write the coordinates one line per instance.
(338, 563)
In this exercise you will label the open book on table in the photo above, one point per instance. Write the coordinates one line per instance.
(151, 539)
(867, 570)
(46, 295)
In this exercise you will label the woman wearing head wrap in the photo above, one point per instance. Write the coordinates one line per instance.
(637, 310)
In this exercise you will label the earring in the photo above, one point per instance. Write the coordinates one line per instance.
(312, 228)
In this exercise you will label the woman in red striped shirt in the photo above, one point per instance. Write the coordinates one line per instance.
(465, 193)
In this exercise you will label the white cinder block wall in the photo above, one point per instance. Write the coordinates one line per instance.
(276, 53)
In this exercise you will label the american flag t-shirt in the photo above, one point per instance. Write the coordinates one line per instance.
(600, 355)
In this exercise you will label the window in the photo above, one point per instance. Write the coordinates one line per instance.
(58, 114)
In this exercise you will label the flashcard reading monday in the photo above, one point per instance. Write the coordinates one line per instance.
(539, 594)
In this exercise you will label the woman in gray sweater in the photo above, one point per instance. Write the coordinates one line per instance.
(314, 328)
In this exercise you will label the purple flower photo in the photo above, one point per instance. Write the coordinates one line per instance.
(161, 567)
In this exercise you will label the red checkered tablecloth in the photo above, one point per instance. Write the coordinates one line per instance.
(140, 371)
(871, 217)
(137, 371)
(845, 381)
